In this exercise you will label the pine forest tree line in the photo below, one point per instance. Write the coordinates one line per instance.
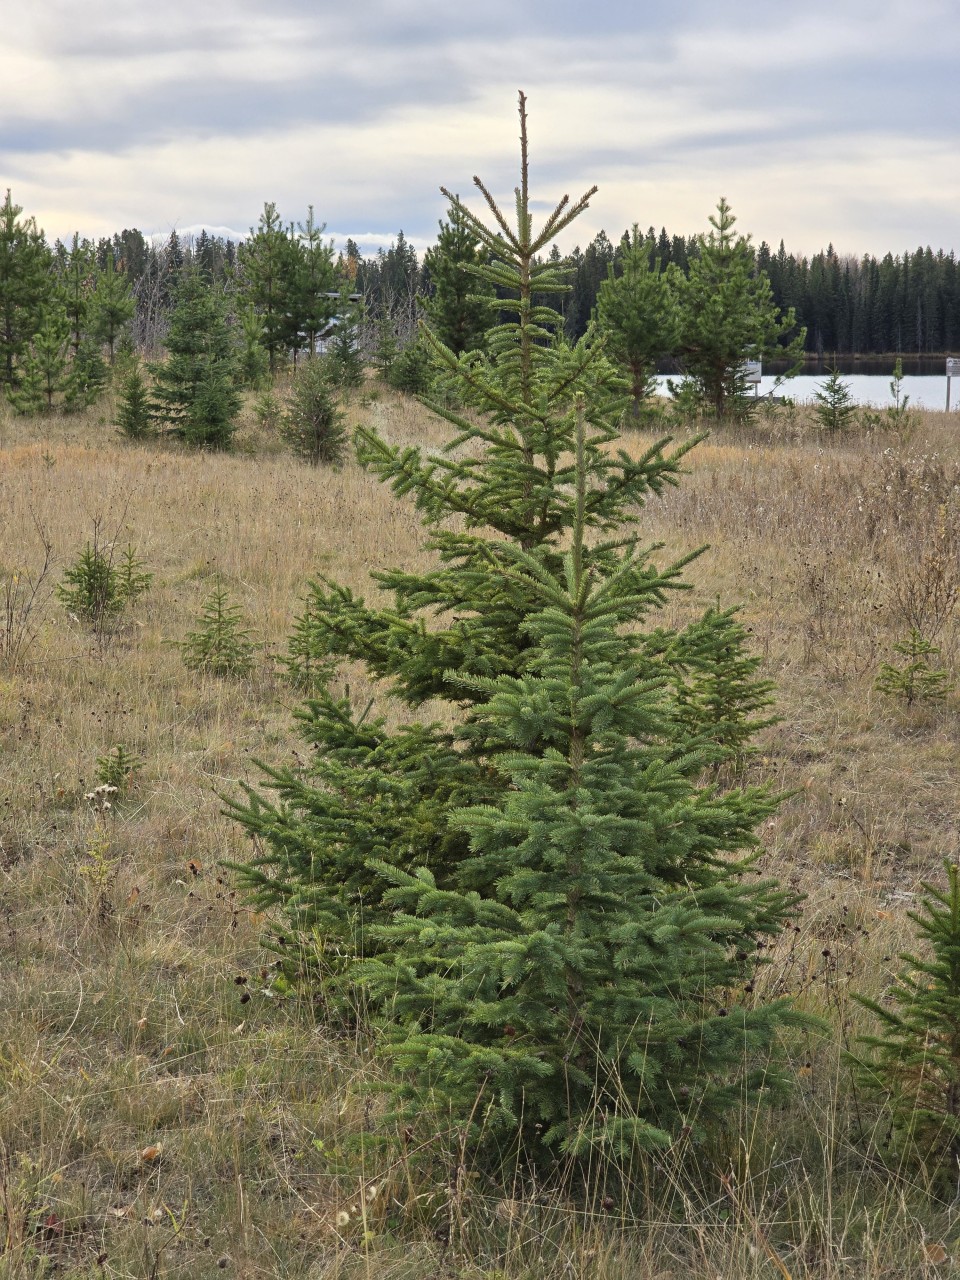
(66, 306)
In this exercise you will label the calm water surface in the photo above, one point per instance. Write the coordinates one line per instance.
(926, 391)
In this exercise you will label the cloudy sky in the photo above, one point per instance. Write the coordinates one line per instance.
(818, 121)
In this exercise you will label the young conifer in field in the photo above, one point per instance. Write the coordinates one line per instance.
(195, 389)
(912, 1063)
(544, 907)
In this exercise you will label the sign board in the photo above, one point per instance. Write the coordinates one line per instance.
(953, 367)
(751, 370)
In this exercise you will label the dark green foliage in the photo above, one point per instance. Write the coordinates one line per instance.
(315, 280)
(111, 306)
(834, 402)
(97, 588)
(134, 416)
(913, 1064)
(462, 304)
(86, 378)
(637, 314)
(268, 280)
(253, 363)
(26, 285)
(221, 645)
(412, 370)
(343, 345)
(195, 388)
(727, 315)
(76, 277)
(43, 366)
(387, 346)
(313, 423)
(718, 693)
(541, 904)
(916, 679)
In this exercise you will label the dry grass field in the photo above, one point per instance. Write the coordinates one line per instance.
(165, 1111)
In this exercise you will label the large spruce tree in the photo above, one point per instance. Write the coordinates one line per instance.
(542, 901)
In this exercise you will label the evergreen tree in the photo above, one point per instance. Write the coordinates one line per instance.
(268, 280)
(834, 402)
(86, 377)
(637, 313)
(539, 904)
(727, 316)
(913, 1063)
(253, 362)
(43, 366)
(461, 304)
(112, 305)
(26, 283)
(76, 270)
(343, 344)
(195, 387)
(134, 416)
(221, 645)
(316, 280)
(313, 423)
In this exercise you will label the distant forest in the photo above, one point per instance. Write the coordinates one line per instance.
(907, 303)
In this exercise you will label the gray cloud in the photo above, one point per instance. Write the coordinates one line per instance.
(170, 113)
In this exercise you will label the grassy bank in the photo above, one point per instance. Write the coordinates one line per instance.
(165, 1111)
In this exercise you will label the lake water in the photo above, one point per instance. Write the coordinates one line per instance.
(926, 391)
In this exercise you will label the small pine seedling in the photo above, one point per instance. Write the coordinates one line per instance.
(221, 645)
(116, 768)
(96, 589)
(913, 1063)
(917, 680)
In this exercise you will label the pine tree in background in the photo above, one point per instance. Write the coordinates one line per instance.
(343, 352)
(76, 271)
(637, 314)
(26, 285)
(86, 378)
(253, 363)
(542, 902)
(727, 316)
(43, 366)
(111, 307)
(134, 416)
(834, 402)
(268, 281)
(462, 304)
(313, 423)
(194, 389)
(316, 280)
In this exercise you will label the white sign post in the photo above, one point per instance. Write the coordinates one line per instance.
(752, 373)
(953, 371)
